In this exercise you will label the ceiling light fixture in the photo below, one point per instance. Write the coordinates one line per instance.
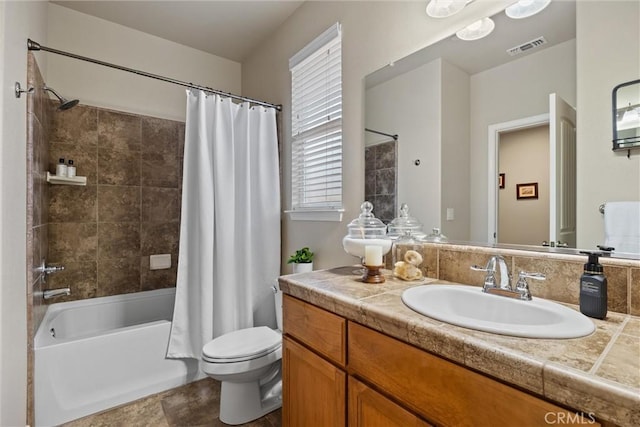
(630, 118)
(477, 30)
(526, 8)
(445, 8)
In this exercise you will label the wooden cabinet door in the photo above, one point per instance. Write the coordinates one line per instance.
(368, 408)
(314, 390)
(316, 328)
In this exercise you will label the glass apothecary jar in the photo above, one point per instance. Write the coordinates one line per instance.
(436, 236)
(406, 233)
(367, 233)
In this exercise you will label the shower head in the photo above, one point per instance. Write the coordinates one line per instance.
(65, 104)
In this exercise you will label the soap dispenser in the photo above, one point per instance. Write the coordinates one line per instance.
(593, 288)
(61, 168)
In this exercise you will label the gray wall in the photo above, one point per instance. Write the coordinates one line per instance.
(374, 34)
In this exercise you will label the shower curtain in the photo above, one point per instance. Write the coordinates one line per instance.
(230, 227)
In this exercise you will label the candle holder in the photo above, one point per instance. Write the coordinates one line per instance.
(372, 274)
(366, 231)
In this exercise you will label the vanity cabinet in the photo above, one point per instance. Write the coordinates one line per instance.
(314, 382)
(338, 372)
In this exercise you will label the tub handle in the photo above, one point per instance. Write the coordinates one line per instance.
(48, 269)
(53, 269)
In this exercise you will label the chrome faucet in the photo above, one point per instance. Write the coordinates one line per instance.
(490, 278)
(522, 287)
(46, 270)
(51, 293)
(505, 289)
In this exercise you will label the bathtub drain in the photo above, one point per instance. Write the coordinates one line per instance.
(52, 331)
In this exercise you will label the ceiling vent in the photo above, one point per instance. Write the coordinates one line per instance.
(517, 50)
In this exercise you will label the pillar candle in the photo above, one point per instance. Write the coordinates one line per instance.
(373, 255)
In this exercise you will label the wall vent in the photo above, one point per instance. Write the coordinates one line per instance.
(517, 50)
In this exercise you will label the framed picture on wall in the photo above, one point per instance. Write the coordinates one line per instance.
(501, 180)
(527, 191)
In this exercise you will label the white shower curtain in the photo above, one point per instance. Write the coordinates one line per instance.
(230, 227)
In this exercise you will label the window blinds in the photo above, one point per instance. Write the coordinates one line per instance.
(316, 123)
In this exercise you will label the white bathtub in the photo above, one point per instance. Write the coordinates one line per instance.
(94, 354)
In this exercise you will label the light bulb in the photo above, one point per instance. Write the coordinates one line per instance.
(477, 30)
(526, 8)
(444, 8)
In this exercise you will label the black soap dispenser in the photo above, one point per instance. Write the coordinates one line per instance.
(593, 288)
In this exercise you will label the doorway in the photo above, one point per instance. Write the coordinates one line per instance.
(523, 160)
(494, 190)
(561, 121)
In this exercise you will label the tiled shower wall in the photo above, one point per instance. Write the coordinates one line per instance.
(103, 233)
(380, 179)
(38, 127)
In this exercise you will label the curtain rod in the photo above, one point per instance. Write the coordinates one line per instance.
(32, 45)
(395, 137)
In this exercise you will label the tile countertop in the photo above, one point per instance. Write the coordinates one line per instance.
(597, 374)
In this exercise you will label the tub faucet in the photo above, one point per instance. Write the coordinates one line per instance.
(51, 293)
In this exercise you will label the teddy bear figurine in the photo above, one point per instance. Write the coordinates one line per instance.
(408, 269)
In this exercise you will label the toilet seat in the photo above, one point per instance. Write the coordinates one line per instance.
(242, 345)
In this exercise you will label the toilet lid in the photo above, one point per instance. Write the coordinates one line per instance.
(243, 344)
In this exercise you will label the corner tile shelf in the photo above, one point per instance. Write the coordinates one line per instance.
(63, 180)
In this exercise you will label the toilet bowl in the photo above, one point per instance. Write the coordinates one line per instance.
(247, 362)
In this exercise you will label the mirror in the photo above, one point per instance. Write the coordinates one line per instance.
(626, 115)
(442, 101)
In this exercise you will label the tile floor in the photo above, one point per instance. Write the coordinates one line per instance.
(195, 404)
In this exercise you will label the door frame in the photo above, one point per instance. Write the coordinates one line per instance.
(492, 188)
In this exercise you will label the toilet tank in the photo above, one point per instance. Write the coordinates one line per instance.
(278, 299)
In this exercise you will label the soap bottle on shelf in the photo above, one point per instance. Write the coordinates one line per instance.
(71, 169)
(61, 168)
(593, 288)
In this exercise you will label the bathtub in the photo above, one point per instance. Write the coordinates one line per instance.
(94, 354)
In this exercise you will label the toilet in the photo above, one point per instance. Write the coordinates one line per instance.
(248, 364)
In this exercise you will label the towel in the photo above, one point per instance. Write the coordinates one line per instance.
(622, 226)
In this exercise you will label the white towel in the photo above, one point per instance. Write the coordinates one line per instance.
(622, 226)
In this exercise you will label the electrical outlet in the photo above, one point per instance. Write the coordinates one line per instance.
(450, 214)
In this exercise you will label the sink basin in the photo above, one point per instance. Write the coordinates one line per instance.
(469, 307)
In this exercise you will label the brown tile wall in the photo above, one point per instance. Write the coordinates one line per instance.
(38, 129)
(104, 232)
(380, 179)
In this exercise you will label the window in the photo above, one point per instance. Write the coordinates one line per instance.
(316, 128)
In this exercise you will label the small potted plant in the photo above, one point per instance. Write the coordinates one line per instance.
(302, 260)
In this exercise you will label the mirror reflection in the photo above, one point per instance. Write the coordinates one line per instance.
(626, 115)
(486, 133)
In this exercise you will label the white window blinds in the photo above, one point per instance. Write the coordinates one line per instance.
(316, 124)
